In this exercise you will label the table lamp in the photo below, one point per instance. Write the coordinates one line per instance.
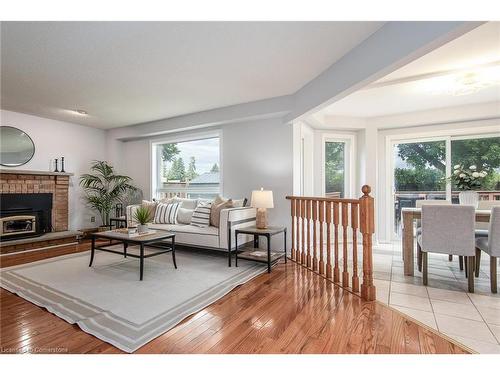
(262, 200)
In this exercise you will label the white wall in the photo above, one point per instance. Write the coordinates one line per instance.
(259, 154)
(78, 144)
(135, 163)
(308, 183)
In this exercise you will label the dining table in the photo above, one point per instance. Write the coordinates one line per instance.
(409, 216)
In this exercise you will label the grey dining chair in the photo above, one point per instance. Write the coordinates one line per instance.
(482, 228)
(448, 229)
(434, 202)
(490, 245)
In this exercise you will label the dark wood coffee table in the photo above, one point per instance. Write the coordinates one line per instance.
(155, 240)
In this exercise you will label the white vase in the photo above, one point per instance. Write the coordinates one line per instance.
(469, 197)
(142, 228)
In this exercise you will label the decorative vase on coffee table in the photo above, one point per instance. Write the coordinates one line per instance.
(142, 228)
(469, 197)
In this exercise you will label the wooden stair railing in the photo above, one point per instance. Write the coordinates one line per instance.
(313, 219)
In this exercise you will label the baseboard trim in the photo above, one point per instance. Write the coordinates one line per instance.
(39, 248)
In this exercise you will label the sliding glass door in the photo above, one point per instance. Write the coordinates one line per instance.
(482, 154)
(419, 173)
(420, 169)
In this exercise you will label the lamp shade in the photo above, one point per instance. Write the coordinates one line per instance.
(262, 199)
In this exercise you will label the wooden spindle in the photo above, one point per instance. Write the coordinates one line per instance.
(315, 240)
(292, 251)
(328, 240)
(367, 225)
(345, 223)
(308, 215)
(321, 210)
(336, 270)
(312, 214)
(303, 237)
(354, 226)
(297, 232)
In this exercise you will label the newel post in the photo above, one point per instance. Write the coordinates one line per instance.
(367, 226)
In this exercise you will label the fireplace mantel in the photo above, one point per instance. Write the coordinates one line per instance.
(39, 173)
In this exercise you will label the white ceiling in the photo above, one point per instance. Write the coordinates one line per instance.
(125, 73)
(478, 47)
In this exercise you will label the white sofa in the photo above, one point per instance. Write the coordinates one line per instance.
(210, 237)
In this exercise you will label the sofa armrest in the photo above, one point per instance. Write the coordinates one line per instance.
(129, 214)
(232, 219)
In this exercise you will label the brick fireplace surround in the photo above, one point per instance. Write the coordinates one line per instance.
(13, 181)
(29, 182)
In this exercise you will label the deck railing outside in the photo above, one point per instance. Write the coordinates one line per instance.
(325, 238)
(404, 199)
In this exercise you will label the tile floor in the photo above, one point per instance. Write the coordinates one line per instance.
(470, 318)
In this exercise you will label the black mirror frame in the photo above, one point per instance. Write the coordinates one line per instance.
(33, 143)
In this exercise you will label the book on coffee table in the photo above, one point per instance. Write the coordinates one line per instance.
(136, 234)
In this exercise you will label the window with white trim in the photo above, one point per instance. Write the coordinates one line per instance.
(338, 162)
(186, 168)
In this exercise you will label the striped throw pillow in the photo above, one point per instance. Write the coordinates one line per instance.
(166, 213)
(201, 215)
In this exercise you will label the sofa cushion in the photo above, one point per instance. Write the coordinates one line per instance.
(218, 205)
(191, 235)
(201, 215)
(184, 215)
(166, 213)
(189, 204)
(186, 228)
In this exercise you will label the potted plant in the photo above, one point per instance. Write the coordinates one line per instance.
(467, 180)
(104, 189)
(143, 216)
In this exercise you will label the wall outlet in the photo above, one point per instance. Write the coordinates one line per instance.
(92, 219)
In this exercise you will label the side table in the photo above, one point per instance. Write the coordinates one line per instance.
(257, 254)
(118, 222)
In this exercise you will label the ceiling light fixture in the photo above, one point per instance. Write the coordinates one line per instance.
(463, 83)
(81, 112)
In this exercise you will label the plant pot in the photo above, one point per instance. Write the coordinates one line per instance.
(142, 228)
(469, 198)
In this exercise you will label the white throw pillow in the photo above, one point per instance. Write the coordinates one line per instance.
(166, 213)
(187, 203)
(201, 215)
(184, 215)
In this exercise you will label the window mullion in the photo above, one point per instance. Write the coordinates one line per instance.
(448, 168)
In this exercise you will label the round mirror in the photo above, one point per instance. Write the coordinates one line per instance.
(16, 147)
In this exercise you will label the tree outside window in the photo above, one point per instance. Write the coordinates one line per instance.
(335, 167)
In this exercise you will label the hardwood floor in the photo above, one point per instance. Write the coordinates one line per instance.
(291, 310)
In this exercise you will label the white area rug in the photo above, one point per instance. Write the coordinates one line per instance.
(108, 301)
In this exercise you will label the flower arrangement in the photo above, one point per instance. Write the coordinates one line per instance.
(468, 178)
